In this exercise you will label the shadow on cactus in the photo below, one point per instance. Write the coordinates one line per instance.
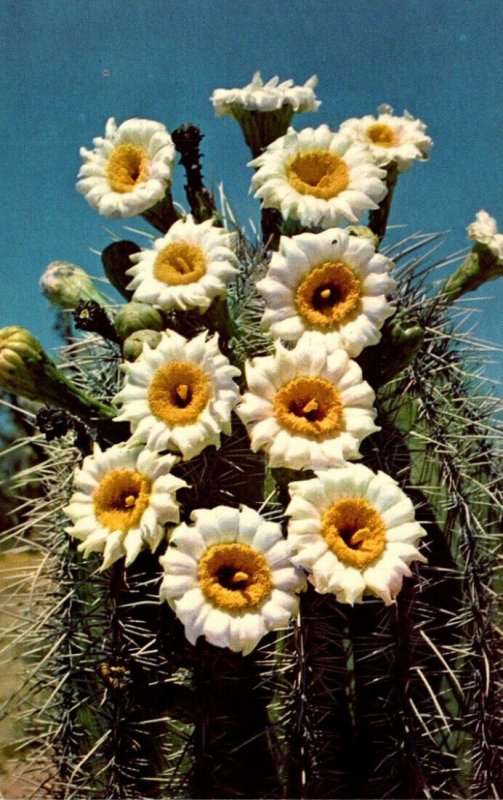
(262, 525)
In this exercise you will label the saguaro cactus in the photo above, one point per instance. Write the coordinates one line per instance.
(268, 495)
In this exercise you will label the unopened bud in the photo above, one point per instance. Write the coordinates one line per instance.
(133, 345)
(136, 317)
(65, 285)
(26, 369)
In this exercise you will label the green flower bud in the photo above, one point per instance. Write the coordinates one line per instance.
(133, 345)
(136, 317)
(26, 369)
(364, 232)
(65, 285)
(481, 265)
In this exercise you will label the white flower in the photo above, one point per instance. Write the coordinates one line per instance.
(400, 139)
(129, 170)
(270, 96)
(123, 498)
(328, 281)
(318, 177)
(187, 268)
(180, 395)
(229, 577)
(485, 231)
(355, 531)
(308, 408)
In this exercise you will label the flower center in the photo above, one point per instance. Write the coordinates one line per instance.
(319, 173)
(121, 498)
(180, 263)
(127, 166)
(382, 135)
(178, 392)
(234, 576)
(308, 406)
(329, 295)
(354, 531)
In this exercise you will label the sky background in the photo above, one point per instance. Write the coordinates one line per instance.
(67, 65)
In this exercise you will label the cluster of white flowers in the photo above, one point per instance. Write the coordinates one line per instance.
(230, 576)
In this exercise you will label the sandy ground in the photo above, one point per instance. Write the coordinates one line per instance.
(16, 570)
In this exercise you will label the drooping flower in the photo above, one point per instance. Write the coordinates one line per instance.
(399, 139)
(265, 110)
(318, 177)
(129, 169)
(485, 231)
(308, 408)
(123, 498)
(187, 268)
(329, 281)
(229, 577)
(180, 395)
(355, 532)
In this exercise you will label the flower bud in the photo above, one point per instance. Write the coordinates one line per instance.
(136, 317)
(26, 369)
(133, 345)
(65, 285)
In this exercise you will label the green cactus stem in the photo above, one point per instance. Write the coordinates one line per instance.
(163, 214)
(261, 128)
(378, 219)
(480, 265)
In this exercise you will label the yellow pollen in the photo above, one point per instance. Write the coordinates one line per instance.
(121, 498)
(319, 173)
(178, 393)
(382, 135)
(234, 577)
(311, 407)
(127, 166)
(355, 531)
(328, 296)
(180, 263)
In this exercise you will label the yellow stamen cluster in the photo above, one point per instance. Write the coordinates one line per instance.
(382, 135)
(180, 263)
(234, 577)
(127, 166)
(354, 531)
(319, 173)
(309, 406)
(329, 295)
(121, 498)
(178, 393)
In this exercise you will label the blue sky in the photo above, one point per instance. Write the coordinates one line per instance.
(67, 65)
